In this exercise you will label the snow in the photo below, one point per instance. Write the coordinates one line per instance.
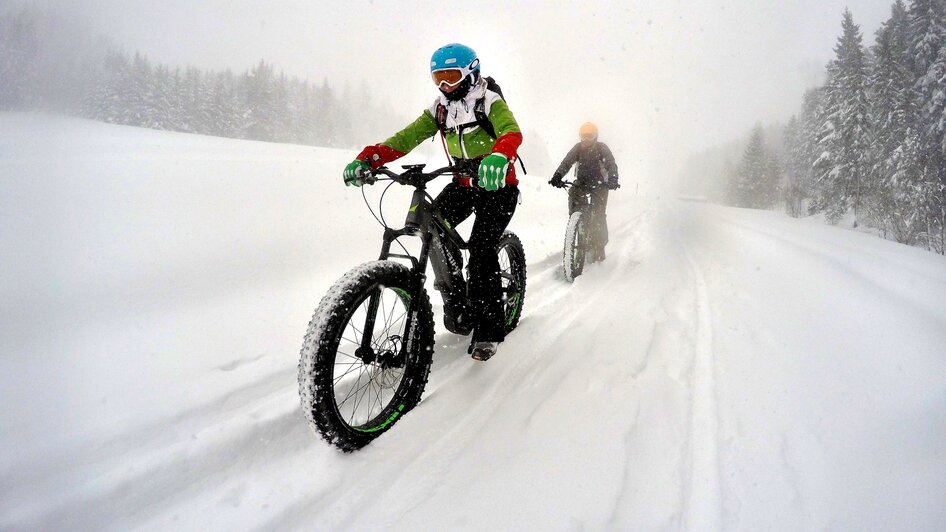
(723, 369)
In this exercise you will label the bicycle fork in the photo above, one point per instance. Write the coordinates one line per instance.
(366, 351)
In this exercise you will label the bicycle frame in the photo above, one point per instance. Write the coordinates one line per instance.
(424, 222)
(587, 197)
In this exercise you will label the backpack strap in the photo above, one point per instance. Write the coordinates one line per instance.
(441, 118)
(482, 119)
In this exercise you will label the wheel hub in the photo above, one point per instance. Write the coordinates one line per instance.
(390, 355)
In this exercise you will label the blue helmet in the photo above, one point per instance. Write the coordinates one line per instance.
(455, 56)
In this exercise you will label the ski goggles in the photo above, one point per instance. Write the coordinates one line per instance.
(451, 77)
(587, 136)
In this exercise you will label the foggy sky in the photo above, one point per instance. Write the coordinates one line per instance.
(662, 78)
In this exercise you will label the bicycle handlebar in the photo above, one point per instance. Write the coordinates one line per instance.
(567, 184)
(413, 174)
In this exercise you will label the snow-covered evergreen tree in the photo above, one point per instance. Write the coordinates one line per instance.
(927, 37)
(222, 105)
(259, 103)
(927, 31)
(891, 85)
(18, 56)
(844, 163)
(933, 127)
(756, 180)
(796, 168)
(810, 122)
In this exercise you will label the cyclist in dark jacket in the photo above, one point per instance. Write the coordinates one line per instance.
(596, 173)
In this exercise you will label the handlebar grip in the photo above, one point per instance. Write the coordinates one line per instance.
(368, 177)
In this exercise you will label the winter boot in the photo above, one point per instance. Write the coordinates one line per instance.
(483, 351)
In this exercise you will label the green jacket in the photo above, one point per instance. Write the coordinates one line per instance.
(476, 142)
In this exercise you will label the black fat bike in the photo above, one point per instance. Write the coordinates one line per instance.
(577, 237)
(369, 346)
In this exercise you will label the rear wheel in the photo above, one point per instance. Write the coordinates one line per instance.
(512, 270)
(573, 258)
(350, 395)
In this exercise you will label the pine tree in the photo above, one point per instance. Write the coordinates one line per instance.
(933, 127)
(260, 102)
(113, 90)
(140, 105)
(844, 163)
(282, 116)
(927, 35)
(812, 116)
(222, 105)
(936, 107)
(18, 57)
(927, 31)
(904, 210)
(755, 183)
(890, 103)
(162, 100)
(773, 184)
(796, 167)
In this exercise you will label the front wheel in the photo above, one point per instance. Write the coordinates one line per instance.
(512, 271)
(573, 258)
(351, 395)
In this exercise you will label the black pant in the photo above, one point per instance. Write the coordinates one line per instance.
(493, 212)
(598, 223)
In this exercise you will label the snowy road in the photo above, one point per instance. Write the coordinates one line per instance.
(724, 369)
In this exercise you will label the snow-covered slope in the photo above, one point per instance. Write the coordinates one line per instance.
(724, 369)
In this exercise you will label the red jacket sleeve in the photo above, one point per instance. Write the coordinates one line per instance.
(508, 145)
(379, 155)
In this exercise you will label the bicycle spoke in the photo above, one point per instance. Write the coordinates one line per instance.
(377, 399)
(349, 340)
(400, 319)
(369, 403)
(391, 313)
(358, 332)
(351, 393)
(340, 352)
(364, 390)
(372, 387)
(350, 369)
(358, 399)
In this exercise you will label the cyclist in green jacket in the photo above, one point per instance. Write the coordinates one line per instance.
(466, 109)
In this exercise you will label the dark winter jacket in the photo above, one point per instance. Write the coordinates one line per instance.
(596, 165)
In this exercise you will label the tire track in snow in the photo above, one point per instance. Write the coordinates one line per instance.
(428, 455)
(703, 501)
(144, 446)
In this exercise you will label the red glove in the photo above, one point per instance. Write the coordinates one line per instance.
(378, 155)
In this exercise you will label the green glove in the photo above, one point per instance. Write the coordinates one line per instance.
(354, 172)
(492, 172)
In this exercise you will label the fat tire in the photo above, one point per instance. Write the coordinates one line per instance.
(517, 256)
(322, 338)
(573, 256)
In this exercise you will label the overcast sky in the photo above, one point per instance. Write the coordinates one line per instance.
(663, 78)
